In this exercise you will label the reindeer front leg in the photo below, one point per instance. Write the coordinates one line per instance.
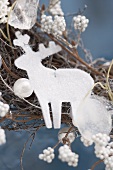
(56, 112)
(46, 114)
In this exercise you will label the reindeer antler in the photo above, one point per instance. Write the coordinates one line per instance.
(22, 40)
(52, 49)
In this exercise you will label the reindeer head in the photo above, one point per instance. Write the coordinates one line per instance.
(30, 56)
(23, 40)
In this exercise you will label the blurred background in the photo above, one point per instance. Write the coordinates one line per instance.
(98, 38)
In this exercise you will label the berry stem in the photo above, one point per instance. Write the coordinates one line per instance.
(96, 163)
(56, 144)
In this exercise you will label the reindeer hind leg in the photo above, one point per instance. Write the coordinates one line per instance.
(56, 112)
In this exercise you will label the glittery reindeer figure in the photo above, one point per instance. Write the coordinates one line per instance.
(52, 86)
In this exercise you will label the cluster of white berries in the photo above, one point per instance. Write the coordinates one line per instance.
(4, 9)
(3, 109)
(86, 142)
(104, 149)
(55, 7)
(80, 23)
(109, 160)
(2, 137)
(109, 163)
(101, 139)
(55, 27)
(102, 152)
(59, 25)
(48, 155)
(46, 23)
(66, 155)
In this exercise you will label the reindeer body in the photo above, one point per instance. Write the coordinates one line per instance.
(54, 86)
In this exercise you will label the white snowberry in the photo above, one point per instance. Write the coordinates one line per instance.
(2, 137)
(101, 139)
(86, 142)
(47, 155)
(4, 9)
(109, 163)
(3, 109)
(46, 23)
(66, 155)
(101, 152)
(80, 23)
(55, 7)
(59, 25)
(104, 149)
(55, 27)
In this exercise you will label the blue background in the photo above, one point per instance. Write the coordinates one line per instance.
(98, 38)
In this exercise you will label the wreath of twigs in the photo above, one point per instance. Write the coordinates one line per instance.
(27, 114)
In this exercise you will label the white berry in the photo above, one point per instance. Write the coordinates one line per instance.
(22, 88)
(86, 142)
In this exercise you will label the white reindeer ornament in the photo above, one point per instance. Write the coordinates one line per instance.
(52, 86)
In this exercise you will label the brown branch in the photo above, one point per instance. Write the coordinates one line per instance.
(96, 163)
(73, 53)
(28, 118)
(1, 120)
(65, 139)
(9, 71)
(23, 150)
